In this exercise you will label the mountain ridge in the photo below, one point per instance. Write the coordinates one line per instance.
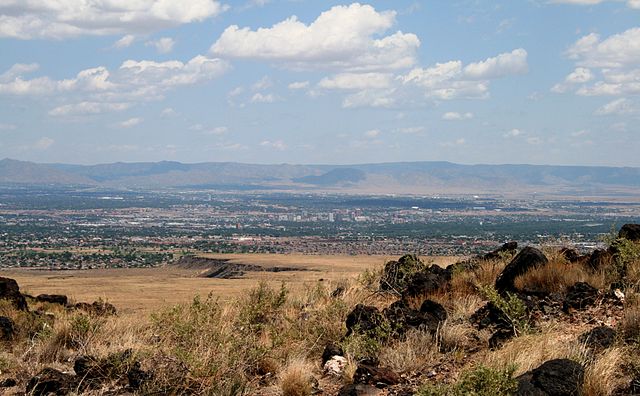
(387, 177)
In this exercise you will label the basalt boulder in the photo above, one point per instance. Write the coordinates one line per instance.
(507, 249)
(600, 258)
(331, 350)
(359, 390)
(630, 232)
(435, 309)
(364, 319)
(401, 317)
(51, 381)
(52, 298)
(598, 338)
(528, 259)
(397, 274)
(580, 296)
(571, 255)
(427, 282)
(9, 290)
(558, 377)
(7, 328)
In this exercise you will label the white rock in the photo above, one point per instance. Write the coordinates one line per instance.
(335, 366)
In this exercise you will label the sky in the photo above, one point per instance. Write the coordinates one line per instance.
(321, 82)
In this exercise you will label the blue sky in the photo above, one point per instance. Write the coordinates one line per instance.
(295, 81)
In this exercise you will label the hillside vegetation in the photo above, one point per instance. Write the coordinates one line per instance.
(524, 321)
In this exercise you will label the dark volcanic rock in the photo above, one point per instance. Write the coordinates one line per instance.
(331, 350)
(338, 292)
(137, 377)
(93, 371)
(51, 381)
(598, 338)
(9, 290)
(380, 377)
(630, 232)
(52, 298)
(402, 317)
(364, 319)
(580, 296)
(501, 336)
(508, 248)
(7, 328)
(8, 383)
(490, 316)
(397, 274)
(599, 258)
(528, 259)
(427, 282)
(435, 309)
(358, 390)
(472, 264)
(571, 255)
(558, 377)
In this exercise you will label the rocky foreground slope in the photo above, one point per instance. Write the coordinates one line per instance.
(514, 321)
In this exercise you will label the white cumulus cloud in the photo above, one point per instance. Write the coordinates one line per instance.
(263, 98)
(30, 19)
(358, 81)
(163, 45)
(507, 64)
(455, 116)
(125, 41)
(88, 108)
(630, 3)
(276, 145)
(616, 60)
(348, 38)
(131, 122)
(299, 85)
(98, 89)
(450, 80)
(620, 106)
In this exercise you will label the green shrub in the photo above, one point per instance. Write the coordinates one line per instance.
(367, 344)
(482, 381)
(512, 307)
(262, 305)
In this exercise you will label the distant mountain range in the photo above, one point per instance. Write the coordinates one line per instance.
(398, 177)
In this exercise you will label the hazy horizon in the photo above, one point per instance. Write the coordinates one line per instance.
(317, 164)
(337, 83)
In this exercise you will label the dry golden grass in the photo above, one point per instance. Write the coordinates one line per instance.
(555, 277)
(254, 333)
(529, 351)
(629, 327)
(142, 291)
(418, 350)
(603, 375)
(455, 336)
(296, 378)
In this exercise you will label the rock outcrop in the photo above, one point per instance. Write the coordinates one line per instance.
(528, 259)
(9, 290)
(558, 377)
